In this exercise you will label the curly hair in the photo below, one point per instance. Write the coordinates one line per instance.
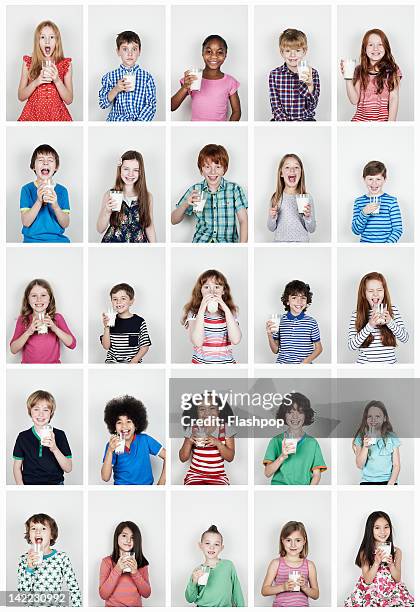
(302, 403)
(129, 407)
(296, 287)
(194, 303)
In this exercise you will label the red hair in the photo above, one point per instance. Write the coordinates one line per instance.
(363, 308)
(387, 67)
(194, 303)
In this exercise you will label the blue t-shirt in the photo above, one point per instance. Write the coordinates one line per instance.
(133, 467)
(378, 467)
(45, 227)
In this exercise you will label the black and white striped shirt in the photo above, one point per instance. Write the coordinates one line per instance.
(127, 337)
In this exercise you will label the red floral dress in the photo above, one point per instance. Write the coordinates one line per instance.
(382, 593)
(45, 103)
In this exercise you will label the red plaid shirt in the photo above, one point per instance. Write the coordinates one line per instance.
(289, 96)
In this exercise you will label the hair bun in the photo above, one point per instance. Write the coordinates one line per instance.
(213, 529)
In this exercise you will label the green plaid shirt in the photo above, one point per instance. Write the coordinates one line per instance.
(217, 222)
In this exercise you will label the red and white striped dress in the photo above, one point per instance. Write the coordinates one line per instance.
(373, 106)
(207, 465)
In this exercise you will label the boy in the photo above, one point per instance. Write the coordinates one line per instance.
(40, 456)
(126, 419)
(297, 339)
(293, 97)
(129, 89)
(127, 341)
(44, 208)
(376, 215)
(216, 202)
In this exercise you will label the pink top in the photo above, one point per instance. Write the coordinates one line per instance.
(373, 106)
(122, 589)
(211, 102)
(290, 599)
(42, 348)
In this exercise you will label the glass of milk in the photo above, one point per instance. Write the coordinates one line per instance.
(120, 448)
(43, 328)
(302, 200)
(37, 548)
(196, 84)
(202, 581)
(294, 576)
(200, 202)
(130, 79)
(117, 199)
(275, 321)
(45, 433)
(126, 555)
(111, 314)
(303, 70)
(349, 66)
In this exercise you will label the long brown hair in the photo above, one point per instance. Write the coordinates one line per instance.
(26, 310)
(37, 57)
(140, 190)
(194, 304)
(137, 543)
(287, 530)
(300, 187)
(387, 67)
(362, 310)
(363, 427)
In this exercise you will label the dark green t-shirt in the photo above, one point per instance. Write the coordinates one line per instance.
(298, 467)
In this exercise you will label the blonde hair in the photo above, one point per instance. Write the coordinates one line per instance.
(295, 39)
(300, 187)
(36, 396)
(37, 57)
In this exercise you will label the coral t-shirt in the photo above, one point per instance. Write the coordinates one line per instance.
(211, 102)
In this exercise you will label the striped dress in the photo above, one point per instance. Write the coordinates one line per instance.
(291, 599)
(216, 348)
(376, 352)
(373, 106)
(207, 465)
(296, 337)
(385, 226)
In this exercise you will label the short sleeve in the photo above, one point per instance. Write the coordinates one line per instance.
(62, 443)
(233, 85)
(26, 201)
(64, 66)
(154, 445)
(395, 441)
(28, 60)
(315, 335)
(189, 210)
(144, 335)
(63, 199)
(113, 454)
(240, 198)
(273, 449)
(18, 452)
(318, 462)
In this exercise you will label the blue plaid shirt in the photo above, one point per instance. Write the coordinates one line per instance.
(289, 96)
(137, 105)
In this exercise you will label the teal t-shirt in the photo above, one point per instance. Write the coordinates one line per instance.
(378, 466)
(299, 466)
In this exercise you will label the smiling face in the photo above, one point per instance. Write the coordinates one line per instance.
(292, 56)
(374, 293)
(295, 418)
(297, 303)
(381, 531)
(212, 287)
(375, 184)
(211, 546)
(41, 413)
(129, 54)
(126, 427)
(291, 173)
(214, 54)
(294, 543)
(47, 42)
(375, 418)
(130, 171)
(45, 166)
(212, 172)
(375, 49)
(125, 540)
(38, 299)
(40, 534)
(121, 302)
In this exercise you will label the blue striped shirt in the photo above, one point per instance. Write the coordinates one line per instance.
(137, 105)
(296, 337)
(385, 226)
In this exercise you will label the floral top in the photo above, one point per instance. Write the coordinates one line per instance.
(129, 229)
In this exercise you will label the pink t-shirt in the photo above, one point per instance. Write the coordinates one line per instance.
(42, 348)
(211, 102)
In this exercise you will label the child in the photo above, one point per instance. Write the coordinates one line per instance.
(284, 215)
(217, 89)
(44, 206)
(215, 583)
(208, 446)
(134, 221)
(54, 569)
(127, 341)
(124, 575)
(296, 338)
(291, 577)
(293, 457)
(376, 216)
(380, 583)
(376, 324)
(126, 419)
(130, 90)
(210, 317)
(293, 94)
(375, 85)
(377, 447)
(41, 454)
(39, 328)
(223, 201)
(47, 87)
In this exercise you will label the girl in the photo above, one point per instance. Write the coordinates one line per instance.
(46, 570)
(376, 324)
(210, 318)
(208, 445)
(124, 575)
(376, 82)
(285, 217)
(215, 583)
(39, 327)
(133, 222)
(291, 577)
(380, 561)
(216, 90)
(377, 447)
(47, 87)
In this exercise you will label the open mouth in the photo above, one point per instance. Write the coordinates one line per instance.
(47, 50)
(45, 171)
(38, 540)
(291, 179)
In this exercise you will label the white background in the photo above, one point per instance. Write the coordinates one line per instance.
(228, 510)
(358, 147)
(190, 26)
(148, 387)
(21, 24)
(270, 22)
(106, 145)
(353, 264)
(105, 23)
(314, 149)
(273, 509)
(67, 388)
(146, 509)
(186, 146)
(21, 142)
(354, 508)
(140, 268)
(62, 268)
(397, 22)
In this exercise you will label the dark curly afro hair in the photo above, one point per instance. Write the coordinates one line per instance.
(129, 407)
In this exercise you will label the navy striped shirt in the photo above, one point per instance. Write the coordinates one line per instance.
(126, 338)
(296, 337)
(137, 105)
(385, 226)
